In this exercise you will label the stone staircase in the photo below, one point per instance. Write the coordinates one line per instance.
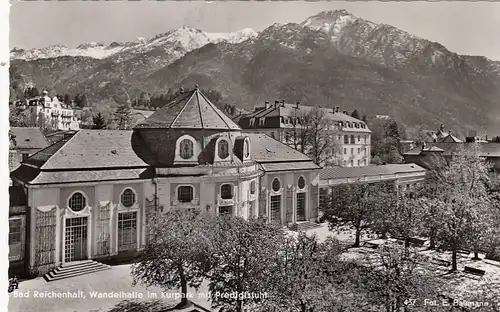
(303, 226)
(76, 268)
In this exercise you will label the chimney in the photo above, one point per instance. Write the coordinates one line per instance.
(423, 145)
(337, 109)
(449, 132)
(267, 104)
(486, 138)
(283, 103)
(441, 128)
(276, 103)
(298, 104)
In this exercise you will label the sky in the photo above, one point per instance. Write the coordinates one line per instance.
(463, 27)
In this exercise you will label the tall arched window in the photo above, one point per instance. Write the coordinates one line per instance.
(226, 191)
(128, 198)
(77, 202)
(186, 149)
(223, 149)
(301, 183)
(276, 185)
(352, 139)
(346, 139)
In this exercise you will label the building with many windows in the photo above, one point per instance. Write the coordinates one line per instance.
(282, 121)
(88, 195)
(59, 116)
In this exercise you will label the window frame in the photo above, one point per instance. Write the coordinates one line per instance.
(177, 189)
(231, 190)
(84, 197)
(279, 184)
(134, 194)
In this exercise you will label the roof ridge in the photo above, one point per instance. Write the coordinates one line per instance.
(182, 110)
(199, 109)
(216, 110)
(59, 149)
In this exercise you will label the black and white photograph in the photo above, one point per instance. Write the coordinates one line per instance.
(205, 156)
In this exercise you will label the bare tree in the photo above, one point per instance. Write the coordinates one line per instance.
(460, 202)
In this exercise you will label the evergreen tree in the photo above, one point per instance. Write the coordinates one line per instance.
(99, 121)
(122, 116)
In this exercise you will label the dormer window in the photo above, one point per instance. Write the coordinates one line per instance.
(246, 148)
(261, 121)
(223, 149)
(186, 148)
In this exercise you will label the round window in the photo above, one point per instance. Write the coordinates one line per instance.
(276, 185)
(302, 183)
(128, 198)
(77, 202)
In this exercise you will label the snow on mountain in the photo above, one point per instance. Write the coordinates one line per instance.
(186, 38)
(91, 49)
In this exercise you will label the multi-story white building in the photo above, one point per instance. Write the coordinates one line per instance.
(282, 121)
(56, 114)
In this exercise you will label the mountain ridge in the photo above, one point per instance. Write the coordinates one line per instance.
(434, 84)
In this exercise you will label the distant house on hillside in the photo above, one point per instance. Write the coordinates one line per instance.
(282, 120)
(442, 136)
(51, 111)
(24, 142)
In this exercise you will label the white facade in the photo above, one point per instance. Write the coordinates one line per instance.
(57, 114)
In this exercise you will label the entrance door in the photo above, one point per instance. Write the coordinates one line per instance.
(301, 207)
(76, 239)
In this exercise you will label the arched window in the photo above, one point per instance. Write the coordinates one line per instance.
(77, 202)
(223, 149)
(276, 185)
(252, 187)
(185, 193)
(301, 183)
(346, 139)
(352, 139)
(128, 198)
(186, 149)
(246, 149)
(226, 191)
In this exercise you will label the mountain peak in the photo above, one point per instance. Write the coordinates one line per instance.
(88, 45)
